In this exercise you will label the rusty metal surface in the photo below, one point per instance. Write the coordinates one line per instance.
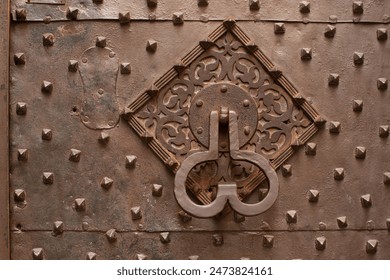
(71, 185)
(4, 130)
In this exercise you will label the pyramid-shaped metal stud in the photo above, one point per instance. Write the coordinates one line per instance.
(313, 195)
(254, 5)
(360, 152)
(238, 218)
(165, 237)
(157, 190)
(388, 224)
(91, 256)
(366, 200)
(386, 178)
(320, 243)
(124, 18)
(80, 204)
(47, 134)
(304, 7)
(48, 178)
(268, 241)
(58, 227)
(384, 131)
(193, 257)
(371, 246)
(152, 3)
(279, 28)
(334, 127)
(229, 23)
(330, 31)
(73, 65)
(22, 154)
(103, 138)
(141, 257)
(357, 7)
(21, 14)
(291, 217)
(101, 42)
(342, 222)
(306, 53)
(136, 213)
(382, 83)
(48, 39)
(19, 195)
(72, 13)
(19, 59)
(47, 87)
(74, 155)
(37, 254)
(333, 80)
(203, 3)
(179, 67)
(106, 183)
(338, 173)
(184, 217)
(295, 144)
(381, 34)
(151, 45)
(286, 170)
(358, 58)
(218, 239)
(125, 68)
(357, 105)
(206, 44)
(130, 161)
(97, 1)
(311, 148)
(111, 235)
(178, 18)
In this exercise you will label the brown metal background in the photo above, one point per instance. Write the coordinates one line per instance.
(84, 231)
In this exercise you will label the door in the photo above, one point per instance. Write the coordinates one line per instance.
(197, 130)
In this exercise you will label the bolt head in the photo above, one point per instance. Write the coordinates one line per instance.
(48, 178)
(291, 217)
(80, 204)
(101, 42)
(370, 225)
(136, 213)
(366, 200)
(338, 173)
(19, 59)
(48, 39)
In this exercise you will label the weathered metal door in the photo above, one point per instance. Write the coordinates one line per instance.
(165, 129)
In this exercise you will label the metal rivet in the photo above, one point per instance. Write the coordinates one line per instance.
(382, 83)
(279, 28)
(84, 60)
(178, 18)
(334, 127)
(124, 18)
(101, 42)
(58, 227)
(74, 155)
(370, 225)
(20, 59)
(19, 195)
(286, 170)
(320, 243)
(48, 178)
(106, 183)
(366, 200)
(184, 217)
(37, 254)
(223, 88)
(247, 130)
(330, 31)
(80, 204)
(381, 34)
(384, 131)
(165, 237)
(47, 87)
(386, 178)
(371, 246)
(21, 108)
(199, 130)
(338, 173)
(111, 235)
(313, 195)
(48, 39)
(21, 14)
(136, 213)
(72, 13)
(130, 161)
(152, 3)
(47, 134)
(268, 241)
(254, 5)
(360, 152)
(246, 103)
(91, 256)
(322, 226)
(103, 138)
(358, 58)
(218, 239)
(141, 257)
(333, 79)
(85, 226)
(357, 105)
(151, 46)
(342, 222)
(357, 7)
(22, 154)
(291, 217)
(333, 19)
(306, 53)
(73, 65)
(311, 148)
(100, 91)
(157, 190)
(111, 54)
(125, 68)
(193, 257)
(304, 7)
(203, 3)
(199, 103)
